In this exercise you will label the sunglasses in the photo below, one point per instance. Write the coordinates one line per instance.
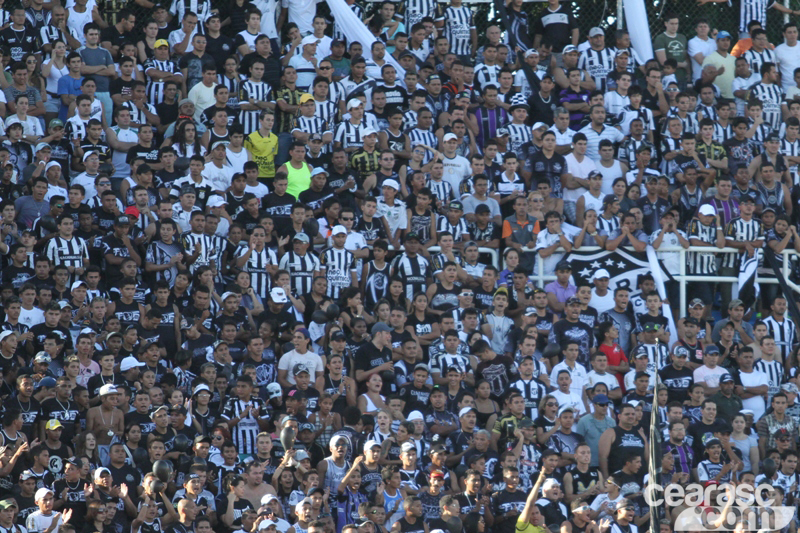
(346, 219)
(325, 68)
(104, 183)
(551, 404)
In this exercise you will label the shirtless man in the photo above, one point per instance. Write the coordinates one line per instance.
(106, 420)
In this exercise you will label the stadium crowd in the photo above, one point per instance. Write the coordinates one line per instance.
(245, 284)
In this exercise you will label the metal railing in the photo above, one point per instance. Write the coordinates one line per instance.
(682, 277)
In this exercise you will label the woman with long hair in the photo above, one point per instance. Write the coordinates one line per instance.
(372, 400)
(545, 423)
(186, 142)
(146, 45)
(423, 325)
(351, 305)
(86, 444)
(486, 409)
(231, 503)
(35, 78)
(382, 311)
(511, 256)
(383, 426)
(391, 446)
(204, 276)
(397, 294)
(316, 299)
(53, 68)
(132, 441)
(94, 522)
(742, 441)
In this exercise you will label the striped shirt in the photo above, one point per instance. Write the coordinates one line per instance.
(160, 253)
(607, 225)
(722, 133)
(702, 263)
(753, 10)
(416, 10)
(599, 64)
(418, 136)
(757, 59)
(155, 87)
(413, 271)
(337, 265)
(257, 265)
(773, 369)
(441, 190)
(258, 91)
(485, 74)
(301, 269)
(233, 85)
(784, 333)
(326, 111)
(350, 134)
(518, 134)
(245, 432)
(338, 34)
(791, 149)
(458, 230)
(70, 253)
(458, 25)
(191, 242)
(771, 96)
(739, 230)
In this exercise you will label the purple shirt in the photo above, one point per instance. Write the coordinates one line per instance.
(562, 293)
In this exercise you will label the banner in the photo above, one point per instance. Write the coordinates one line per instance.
(636, 19)
(654, 455)
(355, 30)
(748, 289)
(656, 269)
(786, 291)
(623, 266)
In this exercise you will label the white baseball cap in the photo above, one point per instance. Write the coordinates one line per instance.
(353, 102)
(450, 137)
(128, 363)
(708, 210)
(339, 230)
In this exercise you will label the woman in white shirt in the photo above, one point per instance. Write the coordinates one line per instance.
(31, 127)
(53, 69)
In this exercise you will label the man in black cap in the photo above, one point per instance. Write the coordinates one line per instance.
(677, 376)
(728, 403)
(572, 329)
(117, 247)
(562, 289)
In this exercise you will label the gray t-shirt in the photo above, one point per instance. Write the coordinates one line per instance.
(470, 203)
(624, 323)
(29, 210)
(94, 57)
(748, 328)
(34, 96)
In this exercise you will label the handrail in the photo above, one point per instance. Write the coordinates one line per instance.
(682, 277)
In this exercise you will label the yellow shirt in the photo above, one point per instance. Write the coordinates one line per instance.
(264, 150)
(527, 527)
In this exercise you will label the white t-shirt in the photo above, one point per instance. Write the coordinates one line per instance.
(579, 170)
(579, 377)
(754, 379)
(572, 399)
(788, 59)
(32, 317)
(609, 175)
(455, 170)
(602, 303)
(699, 46)
(302, 13)
(30, 126)
(312, 361)
(259, 190)
(610, 380)
(709, 376)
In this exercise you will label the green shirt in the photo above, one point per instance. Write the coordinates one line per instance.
(675, 47)
(727, 408)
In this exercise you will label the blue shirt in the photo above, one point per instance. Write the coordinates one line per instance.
(68, 85)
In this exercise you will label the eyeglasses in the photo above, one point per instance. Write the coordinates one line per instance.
(104, 183)
(537, 200)
(101, 509)
(346, 219)
(551, 404)
(325, 68)
(31, 62)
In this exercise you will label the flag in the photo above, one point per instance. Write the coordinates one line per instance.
(748, 288)
(654, 457)
(623, 266)
(658, 278)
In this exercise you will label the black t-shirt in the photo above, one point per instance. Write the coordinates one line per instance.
(112, 35)
(120, 86)
(556, 27)
(677, 382)
(574, 331)
(542, 167)
(369, 356)
(220, 48)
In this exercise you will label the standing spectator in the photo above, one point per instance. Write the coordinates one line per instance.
(673, 45)
(99, 64)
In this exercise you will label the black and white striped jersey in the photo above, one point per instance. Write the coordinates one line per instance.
(784, 333)
(689, 122)
(599, 64)
(155, 87)
(774, 371)
(441, 190)
(458, 26)
(740, 230)
(485, 74)
(615, 102)
(418, 136)
(458, 230)
(532, 392)
(233, 85)
(201, 8)
(354, 88)
(350, 134)
(607, 225)
(337, 265)
(762, 131)
(310, 125)
(327, 111)
(409, 119)
(771, 97)
(722, 133)
(301, 270)
(791, 149)
(138, 116)
(708, 111)
(245, 433)
(702, 263)
(160, 253)
(338, 34)
(191, 242)
(443, 360)
(416, 10)
(756, 60)
(258, 91)
(413, 271)
(48, 33)
(257, 265)
(518, 134)
(70, 253)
